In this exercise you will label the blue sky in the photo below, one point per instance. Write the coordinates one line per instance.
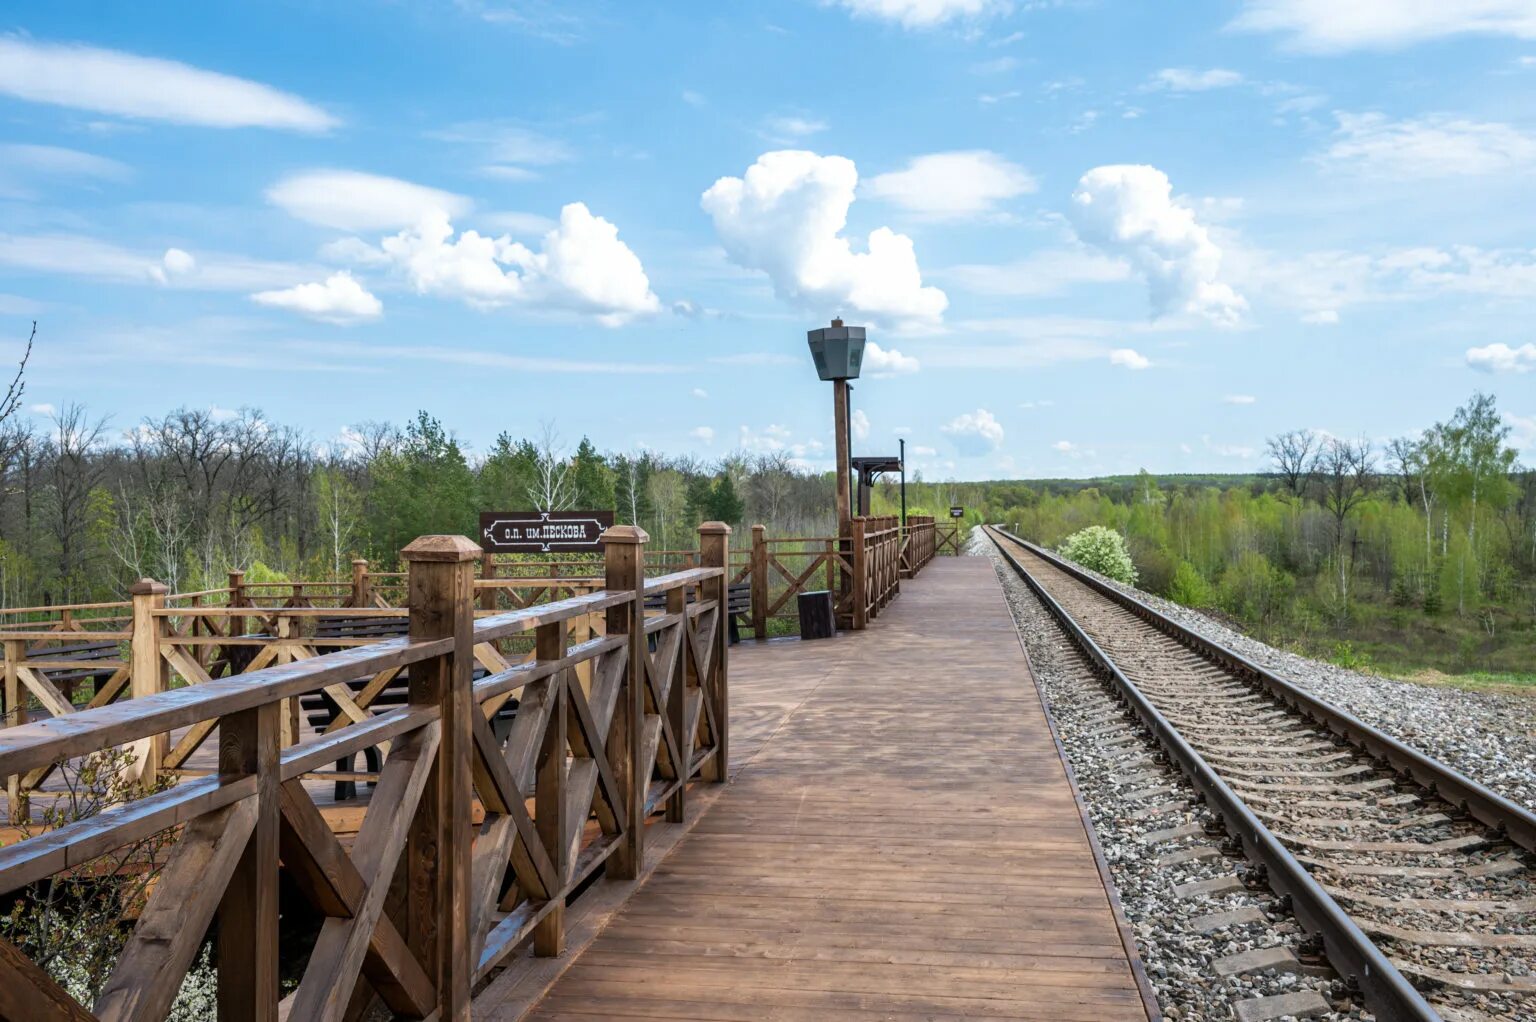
(1086, 236)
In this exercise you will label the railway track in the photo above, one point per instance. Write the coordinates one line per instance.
(1419, 884)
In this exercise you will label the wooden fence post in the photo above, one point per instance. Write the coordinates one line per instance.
(714, 552)
(676, 709)
(361, 597)
(624, 569)
(236, 625)
(860, 590)
(440, 594)
(759, 582)
(151, 674)
(15, 713)
(550, 777)
(248, 913)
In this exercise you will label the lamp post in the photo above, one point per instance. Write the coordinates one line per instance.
(838, 352)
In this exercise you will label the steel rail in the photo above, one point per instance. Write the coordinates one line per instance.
(1385, 991)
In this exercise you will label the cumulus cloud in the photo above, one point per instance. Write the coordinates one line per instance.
(1184, 79)
(147, 88)
(1064, 446)
(785, 217)
(882, 362)
(339, 299)
(581, 266)
(1239, 399)
(1501, 358)
(43, 409)
(700, 392)
(1330, 26)
(923, 13)
(703, 434)
(1129, 358)
(976, 432)
(1129, 211)
(953, 186)
(350, 200)
(1427, 147)
(858, 423)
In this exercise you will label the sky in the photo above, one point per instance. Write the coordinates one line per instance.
(1086, 236)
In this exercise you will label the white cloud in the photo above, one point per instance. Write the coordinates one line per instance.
(43, 409)
(703, 433)
(1129, 358)
(785, 217)
(1501, 358)
(700, 392)
(1427, 147)
(790, 129)
(517, 223)
(128, 85)
(56, 161)
(78, 255)
(1129, 211)
(1064, 446)
(882, 362)
(1332, 26)
(1522, 431)
(953, 186)
(920, 451)
(858, 423)
(340, 299)
(1043, 273)
(976, 432)
(507, 150)
(353, 201)
(1321, 317)
(924, 13)
(1239, 399)
(1184, 79)
(581, 266)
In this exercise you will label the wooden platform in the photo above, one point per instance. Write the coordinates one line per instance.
(900, 841)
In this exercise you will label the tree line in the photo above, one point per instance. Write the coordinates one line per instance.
(1343, 537)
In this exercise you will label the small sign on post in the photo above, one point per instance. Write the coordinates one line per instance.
(543, 532)
(956, 511)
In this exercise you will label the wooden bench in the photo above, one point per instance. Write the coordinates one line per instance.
(321, 710)
(738, 607)
(66, 678)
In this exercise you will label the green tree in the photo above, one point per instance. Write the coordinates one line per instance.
(425, 487)
(724, 504)
(592, 479)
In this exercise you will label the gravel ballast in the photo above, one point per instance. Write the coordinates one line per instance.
(1195, 929)
(1489, 736)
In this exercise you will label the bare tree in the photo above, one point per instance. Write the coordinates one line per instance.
(18, 385)
(551, 489)
(75, 472)
(1293, 453)
(1344, 470)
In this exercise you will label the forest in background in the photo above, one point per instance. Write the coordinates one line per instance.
(1416, 553)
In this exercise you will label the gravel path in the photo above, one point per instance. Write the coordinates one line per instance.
(1489, 737)
(1130, 798)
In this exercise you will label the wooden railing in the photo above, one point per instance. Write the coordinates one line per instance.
(426, 901)
(876, 566)
(919, 545)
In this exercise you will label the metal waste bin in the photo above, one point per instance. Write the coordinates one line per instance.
(816, 617)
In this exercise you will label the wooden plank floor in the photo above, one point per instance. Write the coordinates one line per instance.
(900, 841)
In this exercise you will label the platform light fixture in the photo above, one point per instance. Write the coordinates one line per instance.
(837, 350)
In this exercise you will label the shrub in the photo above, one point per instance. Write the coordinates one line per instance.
(1189, 587)
(1102, 550)
(1255, 590)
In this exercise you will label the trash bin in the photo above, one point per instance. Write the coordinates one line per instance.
(816, 618)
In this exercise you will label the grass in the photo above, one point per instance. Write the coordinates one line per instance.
(1477, 681)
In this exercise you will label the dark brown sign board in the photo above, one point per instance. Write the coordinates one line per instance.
(543, 532)
(956, 511)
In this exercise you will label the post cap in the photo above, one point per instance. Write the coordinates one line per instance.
(359, 560)
(714, 529)
(625, 534)
(441, 549)
(148, 587)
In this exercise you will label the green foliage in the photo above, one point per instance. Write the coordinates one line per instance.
(1253, 589)
(1345, 655)
(1189, 587)
(1101, 550)
(424, 487)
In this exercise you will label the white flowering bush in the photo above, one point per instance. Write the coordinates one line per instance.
(1103, 550)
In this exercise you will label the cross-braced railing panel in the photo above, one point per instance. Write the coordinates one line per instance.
(424, 901)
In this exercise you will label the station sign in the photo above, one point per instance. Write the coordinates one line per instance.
(543, 532)
(956, 511)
